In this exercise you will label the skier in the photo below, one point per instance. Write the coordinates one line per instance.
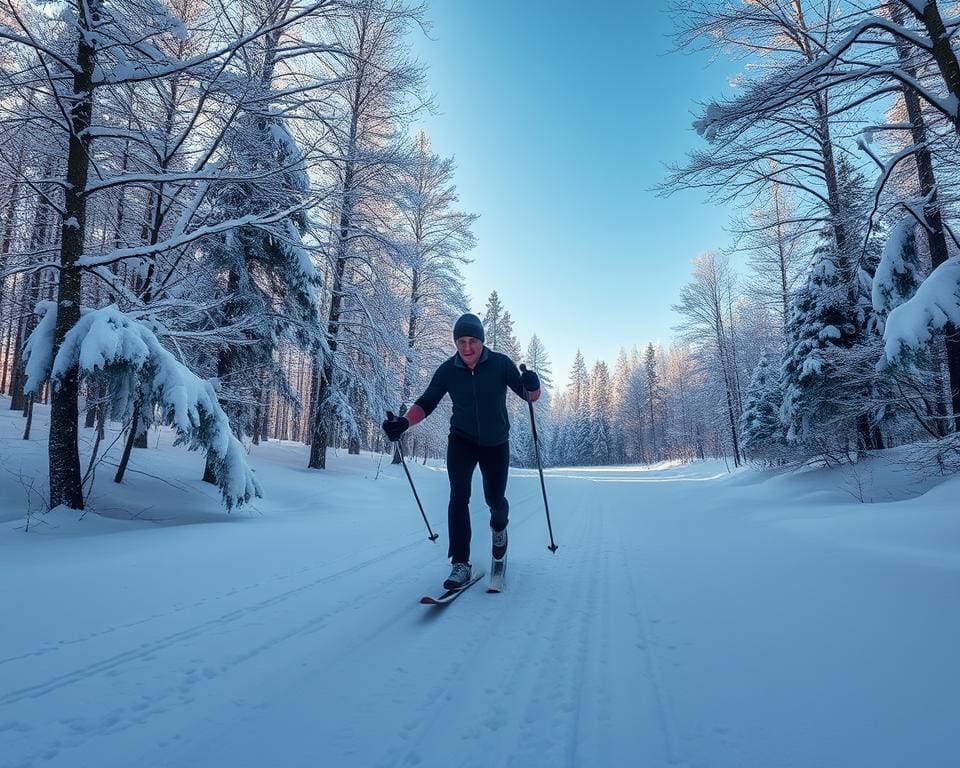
(476, 378)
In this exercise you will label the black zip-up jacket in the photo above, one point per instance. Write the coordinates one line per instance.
(479, 396)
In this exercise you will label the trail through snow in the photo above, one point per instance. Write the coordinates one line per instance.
(689, 618)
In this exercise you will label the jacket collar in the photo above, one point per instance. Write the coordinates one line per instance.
(458, 361)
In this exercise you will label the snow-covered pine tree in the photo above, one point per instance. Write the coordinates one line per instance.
(619, 402)
(896, 281)
(599, 409)
(493, 322)
(507, 339)
(128, 360)
(635, 419)
(651, 380)
(898, 275)
(819, 324)
(267, 273)
(761, 430)
(577, 441)
(536, 360)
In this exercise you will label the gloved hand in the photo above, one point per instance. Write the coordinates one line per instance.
(395, 428)
(530, 381)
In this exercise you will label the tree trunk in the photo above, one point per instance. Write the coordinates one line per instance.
(13, 326)
(6, 241)
(28, 413)
(93, 396)
(933, 221)
(64, 454)
(320, 436)
(128, 444)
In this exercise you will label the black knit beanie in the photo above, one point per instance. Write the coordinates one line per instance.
(468, 325)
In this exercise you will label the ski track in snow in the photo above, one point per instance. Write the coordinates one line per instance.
(597, 655)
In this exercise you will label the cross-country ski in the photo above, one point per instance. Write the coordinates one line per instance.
(452, 594)
(498, 575)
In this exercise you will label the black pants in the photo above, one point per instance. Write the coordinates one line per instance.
(462, 459)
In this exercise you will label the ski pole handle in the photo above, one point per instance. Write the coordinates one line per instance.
(533, 423)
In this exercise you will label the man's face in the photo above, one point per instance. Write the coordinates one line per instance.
(469, 349)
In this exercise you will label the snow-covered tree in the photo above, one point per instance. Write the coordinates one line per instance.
(378, 92)
(773, 238)
(493, 315)
(868, 53)
(436, 239)
(267, 272)
(537, 360)
(599, 409)
(761, 430)
(818, 397)
(619, 404)
(704, 322)
(131, 94)
(651, 381)
(134, 367)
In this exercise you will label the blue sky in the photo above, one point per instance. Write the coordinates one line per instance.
(561, 116)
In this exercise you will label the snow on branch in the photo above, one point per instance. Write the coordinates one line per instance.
(936, 304)
(128, 356)
(185, 239)
(896, 276)
(794, 83)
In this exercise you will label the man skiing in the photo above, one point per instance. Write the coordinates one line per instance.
(476, 378)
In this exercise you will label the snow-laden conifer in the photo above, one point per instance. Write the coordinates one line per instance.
(761, 430)
(132, 364)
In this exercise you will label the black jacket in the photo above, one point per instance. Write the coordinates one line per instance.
(479, 396)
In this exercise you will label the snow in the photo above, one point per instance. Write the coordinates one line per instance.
(897, 269)
(127, 354)
(936, 303)
(691, 617)
(829, 332)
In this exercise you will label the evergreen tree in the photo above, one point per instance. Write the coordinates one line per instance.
(619, 405)
(599, 410)
(578, 382)
(761, 430)
(493, 322)
(538, 360)
(269, 280)
(576, 421)
(507, 342)
(819, 324)
(652, 384)
(898, 276)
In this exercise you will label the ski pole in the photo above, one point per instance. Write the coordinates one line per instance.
(536, 450)
(433, 536)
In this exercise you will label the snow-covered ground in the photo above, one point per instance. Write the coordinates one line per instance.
(691, 617)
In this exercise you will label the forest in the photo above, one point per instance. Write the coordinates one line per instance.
(218, 217)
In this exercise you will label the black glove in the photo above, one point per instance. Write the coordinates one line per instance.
(395, 428)
(530, 381)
